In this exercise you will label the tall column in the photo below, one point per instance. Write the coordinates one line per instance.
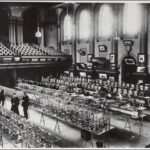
(58, 35)
(10, 32)
(114, 39)
(92, 37)
(21, 31)
(148, 43)
(73, 46)
(18, 31)
(58, 12)
(14, 31)
(143, 35)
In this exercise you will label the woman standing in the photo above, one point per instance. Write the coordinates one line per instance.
(15, 104)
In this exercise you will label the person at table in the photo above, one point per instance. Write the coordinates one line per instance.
(2, 97)
(25, 105)
(15, 104)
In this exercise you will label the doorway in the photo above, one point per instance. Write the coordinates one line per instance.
(128, 68)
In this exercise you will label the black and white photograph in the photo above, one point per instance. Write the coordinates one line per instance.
(74, 74)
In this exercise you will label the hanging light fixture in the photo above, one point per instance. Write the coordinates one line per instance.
(38, 34)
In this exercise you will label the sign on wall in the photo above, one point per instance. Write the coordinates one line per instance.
(141, 58)
(89, 57)
(82, 51)
(112, 58)
(102, 48)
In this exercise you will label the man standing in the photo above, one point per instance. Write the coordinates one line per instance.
(25, 105)
(2, 97)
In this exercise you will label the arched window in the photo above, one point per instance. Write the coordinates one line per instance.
(67, 28)
(132, 19)
(84, 24)
(105, 22)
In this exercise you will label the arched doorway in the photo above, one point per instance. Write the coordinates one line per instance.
(4, 27)
(30, 18)
(128, 68)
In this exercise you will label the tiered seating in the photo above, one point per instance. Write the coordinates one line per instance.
(48, 50)
(35, 50)
(27, 50)
(4, 51)
(40, 49)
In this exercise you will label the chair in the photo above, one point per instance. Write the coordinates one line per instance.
(99, 144)
(147, 146)
(86, 136)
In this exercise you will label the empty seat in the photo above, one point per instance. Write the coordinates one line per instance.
(99, 144)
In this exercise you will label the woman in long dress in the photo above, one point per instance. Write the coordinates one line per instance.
(15, 104)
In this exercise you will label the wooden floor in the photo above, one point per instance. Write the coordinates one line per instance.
(71, 137)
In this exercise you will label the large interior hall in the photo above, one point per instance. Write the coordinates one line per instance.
(74, 74)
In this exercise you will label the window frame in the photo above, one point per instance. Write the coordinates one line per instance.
(68, 40)
(127, 35)
(83, 40)
(99, 18)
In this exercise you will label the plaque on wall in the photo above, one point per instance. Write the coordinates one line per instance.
(102, 48)
(141, 58)
(82, 51)
(82, 74)
(102, 75)
(128, 42)
(112, 58)
(129, 61)
(89, 57)
(140, 69)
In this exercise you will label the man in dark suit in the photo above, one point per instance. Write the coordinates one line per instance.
(2, 97)
(25, 105)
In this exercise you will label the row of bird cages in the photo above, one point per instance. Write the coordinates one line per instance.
(34, 88)
(18, 130)
(79, 117)
(41, 90)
